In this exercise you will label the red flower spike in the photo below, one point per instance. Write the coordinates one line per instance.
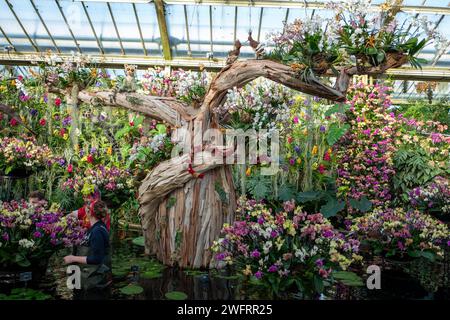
(42, 122)
(57, 102)
(13, 122)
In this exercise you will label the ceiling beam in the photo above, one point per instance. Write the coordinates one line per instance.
(260, 23)
(161, 15)
(302, 4)
(117, 61)
(188, 39)
(211, 31)
(7, 38)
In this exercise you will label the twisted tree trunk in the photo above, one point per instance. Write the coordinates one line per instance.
(181, 213)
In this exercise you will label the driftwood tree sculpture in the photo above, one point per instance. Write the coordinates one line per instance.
(181, 210)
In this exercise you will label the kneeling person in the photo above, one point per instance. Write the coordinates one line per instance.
(94, 255)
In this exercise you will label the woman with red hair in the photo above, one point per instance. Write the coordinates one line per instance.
(93, 255)
(81, 213)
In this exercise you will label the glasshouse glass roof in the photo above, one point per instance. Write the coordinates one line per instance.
(182, 33)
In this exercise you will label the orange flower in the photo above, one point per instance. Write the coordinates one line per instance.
(371, 41)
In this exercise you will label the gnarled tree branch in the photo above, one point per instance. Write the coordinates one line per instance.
(170, 110)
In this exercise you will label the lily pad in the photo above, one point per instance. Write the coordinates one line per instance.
(25, 294)
(176, 295)
(132, 289)
(139, 241)
(152, 274)
(195, 273)
(227, 277)
(120, 272)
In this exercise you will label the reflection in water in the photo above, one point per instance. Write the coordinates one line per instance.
(131, 266)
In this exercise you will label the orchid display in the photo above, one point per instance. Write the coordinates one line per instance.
(19, 156)
(115, 184)
(314, 128)
(29, 233)
(259, 105)
(433, 198)
(365, 165)
(280, 249)
(353, 35)
(150, 149)
(187, 86)
(401, 234)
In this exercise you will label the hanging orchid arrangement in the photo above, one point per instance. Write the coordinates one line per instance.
(355, 36)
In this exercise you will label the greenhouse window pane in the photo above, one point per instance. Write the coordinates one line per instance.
(198, 18)
(150, 28)
(55, 22)
(12, 29)
(127, 26)
(104, 27)
(32, 24)
(176, 27)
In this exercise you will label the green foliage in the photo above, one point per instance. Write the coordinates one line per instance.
(332, 207)
(337, 108)
(362, 204)
(412, 170)
(260, 187)
(335, 132)
(171, 202)
(286, 192)
(421, 110)
(221, 192)
(152, 274)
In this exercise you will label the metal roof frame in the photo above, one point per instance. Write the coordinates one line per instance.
(117, 61)
(301, 4)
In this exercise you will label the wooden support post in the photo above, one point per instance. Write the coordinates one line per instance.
(160, 14)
